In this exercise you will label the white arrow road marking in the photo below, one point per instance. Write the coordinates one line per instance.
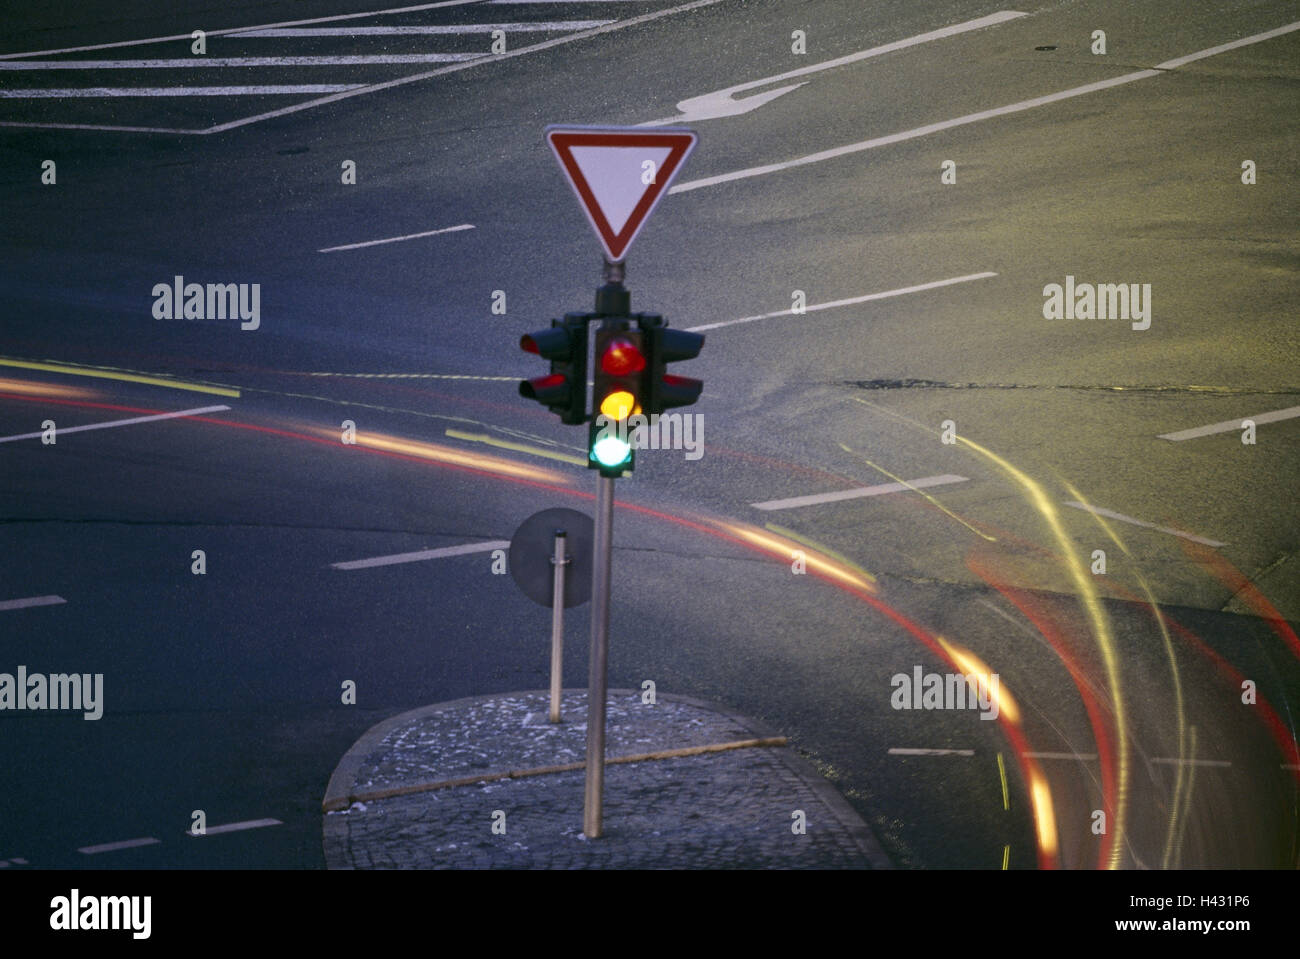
(1228, 426)
(424, 554)
(1017, 107)
(396, 239)
(115, 846)
(1111, 514)
(235, 827)
(859, 492)
(722, 103)
(849, 302)
(32, 601)
(60, 431)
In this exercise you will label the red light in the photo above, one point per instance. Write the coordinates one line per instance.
(622, 357)
(528, 344)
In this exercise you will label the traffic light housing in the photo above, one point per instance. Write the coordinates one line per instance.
(564, 389)
(665, 346)
(620, 376)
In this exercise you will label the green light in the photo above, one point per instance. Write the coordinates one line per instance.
(610, 451)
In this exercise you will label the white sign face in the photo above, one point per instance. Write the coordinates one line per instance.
(619, 175)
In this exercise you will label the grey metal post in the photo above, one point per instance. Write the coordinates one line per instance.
(600, 577)
(558, 561)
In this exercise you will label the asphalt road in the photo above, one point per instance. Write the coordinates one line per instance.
(1121, 691)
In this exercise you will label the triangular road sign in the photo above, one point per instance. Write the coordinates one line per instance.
(619, 174)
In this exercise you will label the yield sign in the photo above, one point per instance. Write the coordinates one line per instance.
(619, 174)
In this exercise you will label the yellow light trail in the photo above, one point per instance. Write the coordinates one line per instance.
(1087, 591)
(516, 447)
(933, 502)
(1179, 711)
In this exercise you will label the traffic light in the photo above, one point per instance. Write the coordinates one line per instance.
(666, 346)
(564, 390)
(621, 372)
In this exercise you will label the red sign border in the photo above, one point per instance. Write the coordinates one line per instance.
(563, 139)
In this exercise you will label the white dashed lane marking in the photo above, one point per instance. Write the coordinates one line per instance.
(396, 239)
(115, 846)
(60, 431)
(904, 751)
(1228, 426)
(91, 93)
(235, 827)
(424, 554)
(31, 601)
(204, 63)
(880, 490)
(432, 29)
(813, 308)
(1111, 514)
(1080, 757)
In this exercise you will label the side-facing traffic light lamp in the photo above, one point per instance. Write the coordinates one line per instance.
(564, 389)
(663, 346)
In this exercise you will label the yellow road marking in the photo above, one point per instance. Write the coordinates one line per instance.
(108, 373)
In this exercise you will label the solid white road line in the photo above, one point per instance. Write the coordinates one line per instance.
(72, 93)
(1192, 762)
(931, 752)
(720, 103)
(31, 601)
(202, 63)
(1081, 757)
(424, 554)
(397, 239)
(114, 846)
(860, 492)
(1017, 107)
(1227, 426)
(527, 27)
(233, 30)
(1111, 514)
(236, 827)
(1284, 766)
(849, 302)
(60, 431)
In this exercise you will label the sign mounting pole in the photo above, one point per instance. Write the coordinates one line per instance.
(593, 797)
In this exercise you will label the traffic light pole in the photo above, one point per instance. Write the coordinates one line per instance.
(593, 800)
(611, 300)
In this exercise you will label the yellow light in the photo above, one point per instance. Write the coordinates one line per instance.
(619, 405)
